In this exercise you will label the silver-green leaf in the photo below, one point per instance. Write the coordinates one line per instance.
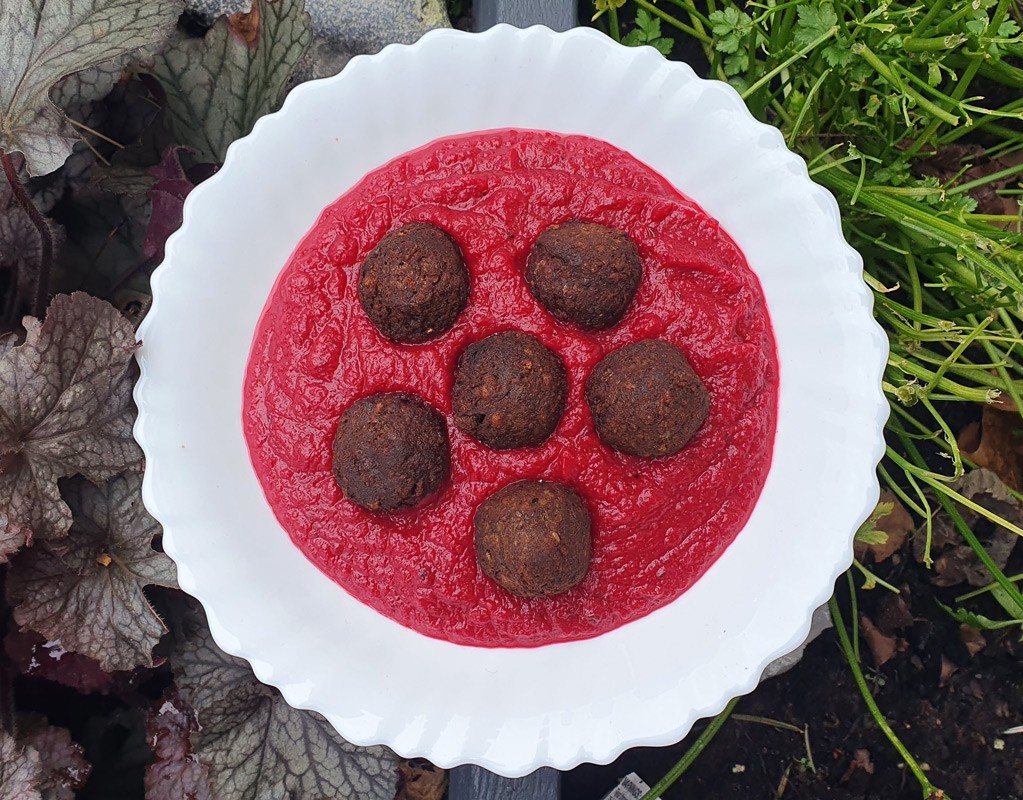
(217, 87)
(44, 40)
(86, 591)
(257, 747)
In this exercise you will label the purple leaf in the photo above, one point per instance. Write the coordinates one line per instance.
(36, 657)
(64, 768)
(86, 590)
(65, 409)
(168, 197)
(175, 773)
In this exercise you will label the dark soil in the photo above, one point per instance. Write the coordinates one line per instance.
(949, 708)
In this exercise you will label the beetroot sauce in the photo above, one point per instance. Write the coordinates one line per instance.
(658, 524)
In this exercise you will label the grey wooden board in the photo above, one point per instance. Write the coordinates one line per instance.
(557, 14)
(476, 783)
(471, 782)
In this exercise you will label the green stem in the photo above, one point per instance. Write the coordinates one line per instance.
(616, 31)
(1008, 172)
(872, 578)
(985, 589)
(691, 754)
(788, 62)
(700, 36)
(917, 219)
(910, 367)
(934, 44)
(936, 7)
(929, 790)
(698, 19)
(794, 129)
(854, 604)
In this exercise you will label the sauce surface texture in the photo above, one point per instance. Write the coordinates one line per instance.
(658, 523)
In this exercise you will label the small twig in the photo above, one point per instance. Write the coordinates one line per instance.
(783, 783)
(691, 754)
(43, 276)
(96, 153)
(83, 127)
(771, 723)
(809, 752)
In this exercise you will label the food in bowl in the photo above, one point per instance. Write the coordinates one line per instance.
(533, 538)
(657, 522)
(509, 391)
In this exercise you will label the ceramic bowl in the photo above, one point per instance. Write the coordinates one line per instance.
(510, 710)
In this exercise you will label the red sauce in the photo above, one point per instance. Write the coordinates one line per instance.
(658, 524)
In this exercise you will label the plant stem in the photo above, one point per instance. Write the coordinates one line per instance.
(929, 790)
(43, 275)
(700, 36)
(789, 61)
(691, 754)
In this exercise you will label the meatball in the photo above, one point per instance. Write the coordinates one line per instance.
(390, 451)
(414, 283)
(533, 538)
(510, 391)
(584, 273)
(646, 400)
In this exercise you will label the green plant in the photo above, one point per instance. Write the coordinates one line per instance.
(100, 144)
(911, 114)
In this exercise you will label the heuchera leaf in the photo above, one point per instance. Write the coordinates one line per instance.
(257, 746)
(217, 87)
(104, 239)
(86, 590)
(36, 657)
(63, 767)
(65, 409)
(20, 770)
(168, 197)
(21, 247)
(175, 773)
(44, 40)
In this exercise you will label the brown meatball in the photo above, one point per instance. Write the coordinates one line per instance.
(390, 451)
(533, 538)
(414, 283)
(646, 400)
(509, 391)
(584, 273)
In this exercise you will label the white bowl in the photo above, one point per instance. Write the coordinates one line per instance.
(510, 710)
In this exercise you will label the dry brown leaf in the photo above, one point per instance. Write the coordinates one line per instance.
(860, 761)
(245, 25)
(892, 614)
(882, 647)
(948, 669)
(418, 779)
(954, 560)
(897, 525)
(996, 444)
(973, 640)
